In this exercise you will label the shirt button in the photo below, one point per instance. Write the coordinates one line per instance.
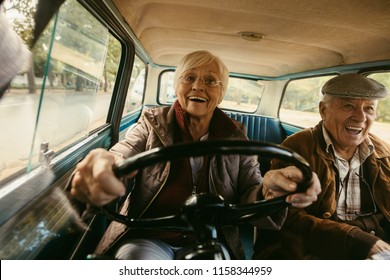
(326, 215)
(372, 232)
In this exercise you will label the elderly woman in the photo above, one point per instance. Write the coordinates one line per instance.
(200, 83)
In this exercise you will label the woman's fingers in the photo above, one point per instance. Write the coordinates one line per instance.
(94, 180)
(282, 181)
(306, 198)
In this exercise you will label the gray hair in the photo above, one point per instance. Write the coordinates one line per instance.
(327, 98)
(200, 58)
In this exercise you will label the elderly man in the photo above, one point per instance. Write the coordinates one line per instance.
(350, 219)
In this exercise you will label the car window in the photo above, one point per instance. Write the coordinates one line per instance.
(381, 127)
(136, 92)
(300, 101)
(299, 106)
(64, 95)
(242, 94)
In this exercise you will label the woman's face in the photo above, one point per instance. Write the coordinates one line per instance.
(198, 99)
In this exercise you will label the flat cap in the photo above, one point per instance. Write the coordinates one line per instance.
(354, 86)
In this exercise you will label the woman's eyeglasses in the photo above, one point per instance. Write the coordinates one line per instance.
(207, 81)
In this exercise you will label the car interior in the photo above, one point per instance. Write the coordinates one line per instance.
(98, 64)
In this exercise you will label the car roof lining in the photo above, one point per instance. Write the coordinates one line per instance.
(296, 36)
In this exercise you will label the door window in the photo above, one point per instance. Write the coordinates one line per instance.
(66, 92)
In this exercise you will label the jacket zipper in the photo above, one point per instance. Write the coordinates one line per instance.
(212, 185)
(154, 197)
(166, 177)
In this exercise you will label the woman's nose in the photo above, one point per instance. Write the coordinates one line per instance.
(198, 84)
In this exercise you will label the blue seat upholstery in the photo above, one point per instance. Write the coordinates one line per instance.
(261, 128)
(265, 129)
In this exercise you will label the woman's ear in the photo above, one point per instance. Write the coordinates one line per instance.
(220, 97)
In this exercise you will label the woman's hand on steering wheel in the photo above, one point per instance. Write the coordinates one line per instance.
(94, 181)
(283, 181)
(97, 181)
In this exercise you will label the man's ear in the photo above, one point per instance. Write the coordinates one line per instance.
(322, 107)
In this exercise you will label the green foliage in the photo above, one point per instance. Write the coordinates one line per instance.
(382, 112)
(75, 30)
(304, 95)
(23, 22)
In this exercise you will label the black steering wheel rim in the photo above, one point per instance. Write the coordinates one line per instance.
(220, 147)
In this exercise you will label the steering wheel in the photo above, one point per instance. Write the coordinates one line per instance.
(209, 209)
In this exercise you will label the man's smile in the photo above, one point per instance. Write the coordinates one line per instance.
(354, 129)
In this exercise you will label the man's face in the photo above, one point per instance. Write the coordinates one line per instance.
(348, 120)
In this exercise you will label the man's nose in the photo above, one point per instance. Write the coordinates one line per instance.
(359, 114)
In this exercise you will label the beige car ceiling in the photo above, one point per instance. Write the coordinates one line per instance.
(263, 37)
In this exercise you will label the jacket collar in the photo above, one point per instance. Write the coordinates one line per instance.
(221, 126)
(163, 119)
